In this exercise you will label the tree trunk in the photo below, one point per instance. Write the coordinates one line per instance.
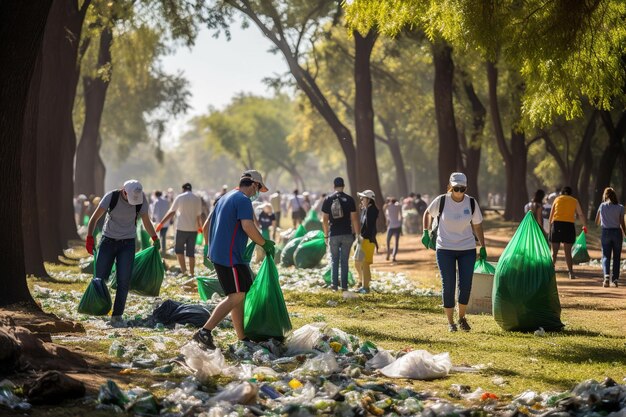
(94, 90)
(99, 173)
(33, 259)
(444, 111)
(585, 179)
(517, 193)
(56, 142)
(367, 167)
(22, 25)
(609, 156)
(398, 160)
(473, 149)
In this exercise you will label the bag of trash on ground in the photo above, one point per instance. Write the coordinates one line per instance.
(207, 286)
(579, 249)
(286, 256)
(205, 258)
(300, 231)
(328, 277)
(148, 273)
(96, 300)
(525, 296)
(483, 267)
(419, 364)
(311, 250)
(247, 254)
(173, 312)
(265, 312)
(311, 221)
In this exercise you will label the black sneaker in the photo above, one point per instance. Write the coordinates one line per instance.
(204, 338)
(615, 284)
(452, 328)
(464, 325)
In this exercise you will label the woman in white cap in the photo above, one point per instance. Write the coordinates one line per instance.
(123, 208)
(366, 240)
(459, 223)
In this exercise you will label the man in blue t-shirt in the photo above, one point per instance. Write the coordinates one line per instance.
(340, 222)
(230, 225)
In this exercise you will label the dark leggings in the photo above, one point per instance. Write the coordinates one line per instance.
(391, 233)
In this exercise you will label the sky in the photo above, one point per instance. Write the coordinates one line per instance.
(218, 69)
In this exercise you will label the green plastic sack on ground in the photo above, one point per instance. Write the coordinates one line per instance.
(143, 237)
(286, 255)
(148, 273)
(525, 296)
(205, 259)
(96, 300)
(265, 312)
(309, 253)
(328, 278)
(579, 249)
(311, 221)
(207, 286)
(300, 231)
(199, 239)
(483, 267)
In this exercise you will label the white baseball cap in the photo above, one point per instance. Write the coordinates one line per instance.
(458, 178)
(134, 192)
(367, 194)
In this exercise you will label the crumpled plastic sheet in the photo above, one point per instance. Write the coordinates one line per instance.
(419, 364)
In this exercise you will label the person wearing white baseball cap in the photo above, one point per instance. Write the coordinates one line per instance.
(366, 243)
(122, 207)
(459, 224)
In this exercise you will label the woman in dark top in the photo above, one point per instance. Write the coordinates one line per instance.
(366, 240)
(536, 206)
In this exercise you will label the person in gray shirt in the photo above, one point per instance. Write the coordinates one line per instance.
(158, 210)
(123, 208)
(611, 217)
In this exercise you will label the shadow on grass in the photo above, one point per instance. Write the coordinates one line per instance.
(370, 334)
(577, 353)
(423, 304)
(587, 333)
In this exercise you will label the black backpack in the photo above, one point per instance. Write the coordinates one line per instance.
(115, 196)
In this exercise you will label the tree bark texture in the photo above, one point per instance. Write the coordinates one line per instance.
(444, 111)
(585, 180)
(22, 25)
(33, 259)
(366, 165)
(396, 155)
(88, 150)
(515, 159)
(56, 141)
(473, 148)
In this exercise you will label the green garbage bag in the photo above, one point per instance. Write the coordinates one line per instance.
(96, 300)
(265, 233)
(328, 278)
(85, 220)
(148, 273)
(579, 249)
(207, 286)
(247, 254)
(300, 231)
(199, 239)
(311, 221)
(265, 312)
(205, 259)
(286, 255)
(525, 295)
(309, 253)
(483, 267)
(143, 237)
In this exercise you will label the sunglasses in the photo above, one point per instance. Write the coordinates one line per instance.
(459, 189)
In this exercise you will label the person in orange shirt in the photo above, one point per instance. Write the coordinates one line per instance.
(562, 218)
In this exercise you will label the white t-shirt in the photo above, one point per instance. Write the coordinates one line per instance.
(455, 225)
(188, 207)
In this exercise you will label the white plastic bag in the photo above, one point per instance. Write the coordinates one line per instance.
(380, 360)
(304, 339)
(205, 363)
(324, 364)
(237, 393)
(419, 364)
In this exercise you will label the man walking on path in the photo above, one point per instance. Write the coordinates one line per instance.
(123, 208)
(275, 201)
(340, 222)
(158, 210)
(188, 207)
(230, 226)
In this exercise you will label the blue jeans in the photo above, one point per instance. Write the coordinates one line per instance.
(447, 260)
(339, 256)
(122, 252)
(393, 232)
(611, 245)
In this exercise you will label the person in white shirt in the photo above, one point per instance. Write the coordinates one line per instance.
(393, 216)
(188, 207)
(158, 210)
(459, 223)
(297, 207)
